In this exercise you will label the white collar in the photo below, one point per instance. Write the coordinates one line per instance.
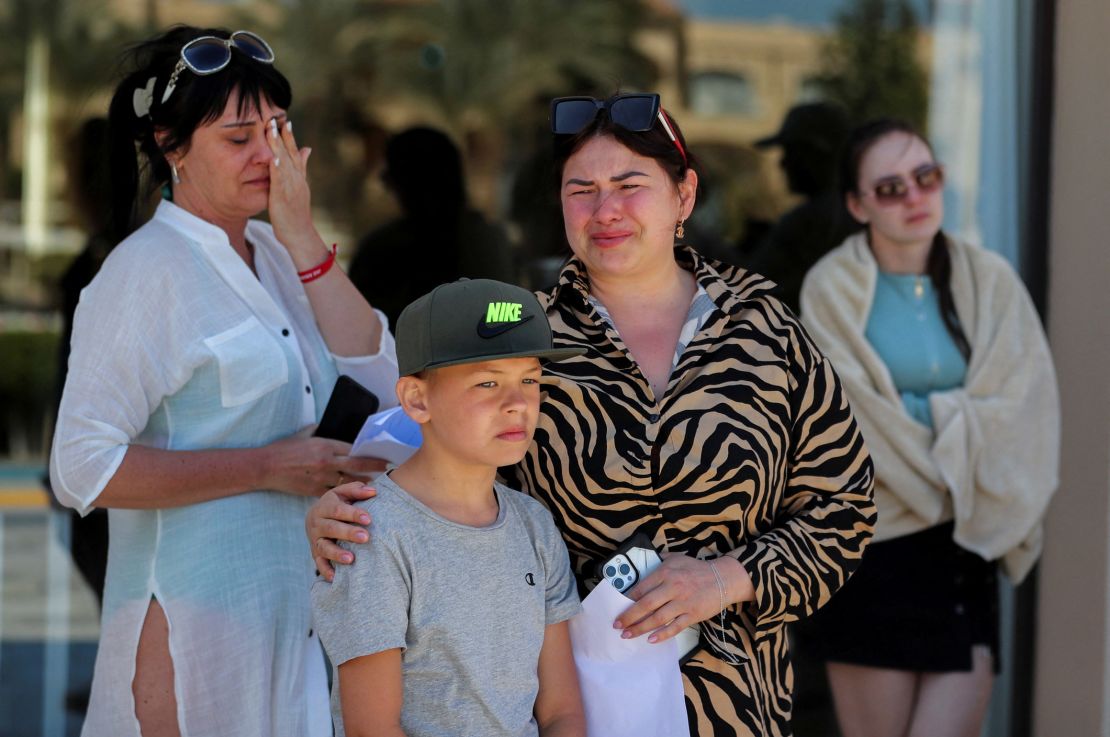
(216, 247)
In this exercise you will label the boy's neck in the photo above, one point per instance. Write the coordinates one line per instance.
(461, 493)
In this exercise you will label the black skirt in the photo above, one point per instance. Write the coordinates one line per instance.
(918, 602)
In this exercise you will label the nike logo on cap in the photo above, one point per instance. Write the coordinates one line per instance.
(501, 317)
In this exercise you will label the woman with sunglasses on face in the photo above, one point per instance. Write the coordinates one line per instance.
(943, 357)
(205, 346)
(700, 415)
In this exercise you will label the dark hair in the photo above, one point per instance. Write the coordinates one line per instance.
(138, 163)
(424, 169)
(938, 264)
(653, 143)
(87, 183)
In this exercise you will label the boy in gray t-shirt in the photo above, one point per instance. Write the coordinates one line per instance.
(452, 621)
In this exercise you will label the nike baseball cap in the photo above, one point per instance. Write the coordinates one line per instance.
(472, 320)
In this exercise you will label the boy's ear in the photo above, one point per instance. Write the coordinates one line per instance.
(412, 395)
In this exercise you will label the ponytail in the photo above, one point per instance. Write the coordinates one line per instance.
(137, 167)
(939, 267)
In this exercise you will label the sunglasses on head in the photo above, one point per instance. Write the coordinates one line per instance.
(892, 190)
(633, 112)
(210, 54)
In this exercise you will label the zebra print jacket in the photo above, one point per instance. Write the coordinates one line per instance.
(751, 451)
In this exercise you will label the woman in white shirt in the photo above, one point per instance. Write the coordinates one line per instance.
(201, 352)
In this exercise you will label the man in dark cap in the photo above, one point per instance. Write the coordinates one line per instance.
(811, 137)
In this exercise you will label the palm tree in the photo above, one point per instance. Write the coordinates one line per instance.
(873, 62)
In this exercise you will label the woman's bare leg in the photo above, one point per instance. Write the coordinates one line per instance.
(872, 702)
(954, 704)
(155, 702)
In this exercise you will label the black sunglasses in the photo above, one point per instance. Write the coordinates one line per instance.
(210, 54)
(633, 112)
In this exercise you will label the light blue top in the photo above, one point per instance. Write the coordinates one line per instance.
(178, 345)
(906, 330)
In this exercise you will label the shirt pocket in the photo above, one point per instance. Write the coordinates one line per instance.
(251, 362)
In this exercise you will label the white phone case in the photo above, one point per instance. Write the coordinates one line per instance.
(623, 570)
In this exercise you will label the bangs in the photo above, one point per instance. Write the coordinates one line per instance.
(254, 82)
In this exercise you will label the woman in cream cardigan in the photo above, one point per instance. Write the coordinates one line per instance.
(946, 365)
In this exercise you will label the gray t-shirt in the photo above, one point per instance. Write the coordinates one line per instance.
(468, 604)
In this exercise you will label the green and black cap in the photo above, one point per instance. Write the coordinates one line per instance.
(474, 320)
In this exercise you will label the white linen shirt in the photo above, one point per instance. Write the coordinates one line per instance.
(177, 345)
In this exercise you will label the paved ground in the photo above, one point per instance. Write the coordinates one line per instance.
(48, 616)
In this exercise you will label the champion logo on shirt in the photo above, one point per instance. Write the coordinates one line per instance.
(530, 579)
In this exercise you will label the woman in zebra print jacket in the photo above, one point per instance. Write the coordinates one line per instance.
(701, 415)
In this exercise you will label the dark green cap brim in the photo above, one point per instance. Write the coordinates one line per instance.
(553, 356)
(459, 323)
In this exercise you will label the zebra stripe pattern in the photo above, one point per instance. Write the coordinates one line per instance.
(751, 451)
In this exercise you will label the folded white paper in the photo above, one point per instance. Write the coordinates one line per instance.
(390, 435)
(630, 688)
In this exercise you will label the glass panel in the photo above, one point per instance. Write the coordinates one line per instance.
(468, 188)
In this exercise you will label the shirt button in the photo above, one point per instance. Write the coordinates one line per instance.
(959, 608)
(308, 390)
(285, 332)
(653, 417)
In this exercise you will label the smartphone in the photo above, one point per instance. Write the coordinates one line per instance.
(634, 560)
(348, 407)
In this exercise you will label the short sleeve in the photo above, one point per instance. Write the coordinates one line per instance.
(562, 591)
(365, 609)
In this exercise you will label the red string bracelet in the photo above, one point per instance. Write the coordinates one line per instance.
(320, 269)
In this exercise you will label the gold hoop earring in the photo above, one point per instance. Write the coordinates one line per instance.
(680, 231)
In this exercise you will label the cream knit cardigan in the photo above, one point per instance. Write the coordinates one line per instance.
(991, 460)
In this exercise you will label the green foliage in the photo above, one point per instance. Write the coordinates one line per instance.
(872, 63)
(28, 371)
(83, 38)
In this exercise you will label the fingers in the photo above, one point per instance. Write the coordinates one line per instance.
(324, 568)
(353, 492)
(277, 148)
(327, 549)
(655, 611)
(642, 616)
(676, 625)
(291, 152)
(335, 507)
